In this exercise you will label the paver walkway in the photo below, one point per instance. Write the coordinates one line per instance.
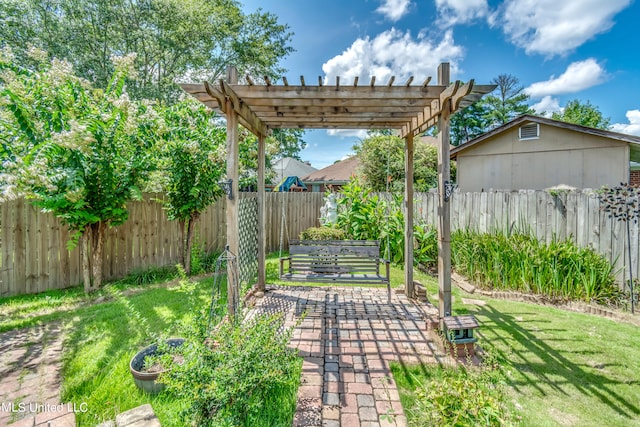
(30, 378)
(347, 338)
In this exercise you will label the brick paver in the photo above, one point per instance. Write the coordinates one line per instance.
(347, 337)
(30, 362)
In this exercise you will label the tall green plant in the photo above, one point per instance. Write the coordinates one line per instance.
(192, 165)
(75, 151)
(559, 270)
(364, 215)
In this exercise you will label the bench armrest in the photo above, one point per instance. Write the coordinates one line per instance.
(282, 260)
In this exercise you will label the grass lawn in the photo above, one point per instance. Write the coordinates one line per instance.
(561, 367)
(103, 333)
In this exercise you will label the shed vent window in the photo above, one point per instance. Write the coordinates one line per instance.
(529, 131)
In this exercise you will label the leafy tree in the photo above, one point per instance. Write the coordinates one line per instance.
(75, 151)
(506, 102)
(194, 39)
(382, 163)
(192, 166)
(288, 142)
(585, 114)
(468, 123)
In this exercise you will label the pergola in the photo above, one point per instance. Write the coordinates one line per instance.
(409, 108)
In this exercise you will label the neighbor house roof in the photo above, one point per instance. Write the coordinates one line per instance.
(337, 173)
(288, 166)
(633, 140)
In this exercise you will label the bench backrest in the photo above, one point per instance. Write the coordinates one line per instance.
(338, 256)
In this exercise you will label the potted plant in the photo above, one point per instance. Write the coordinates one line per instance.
(147, 365)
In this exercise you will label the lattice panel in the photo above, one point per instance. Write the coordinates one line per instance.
(248, 250)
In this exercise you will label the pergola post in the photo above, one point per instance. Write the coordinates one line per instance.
(262, 253)
(444, 214)
(233, 236)
(408, 215)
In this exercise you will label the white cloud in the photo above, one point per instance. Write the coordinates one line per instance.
(394, 9)
(631, 128)
(578, 76)
(452, 12)
(552, 27)
(394, 53)
(547, 105)
(348, 133)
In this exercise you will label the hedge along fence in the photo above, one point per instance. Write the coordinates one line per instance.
(34, 256)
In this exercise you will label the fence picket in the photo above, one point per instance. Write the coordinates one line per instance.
(34, 256)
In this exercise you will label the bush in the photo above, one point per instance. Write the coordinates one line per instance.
(460, 397)
(519, 262)
(322, 233)
(243, 374)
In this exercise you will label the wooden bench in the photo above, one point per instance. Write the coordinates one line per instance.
(459, 332)
(334, 261)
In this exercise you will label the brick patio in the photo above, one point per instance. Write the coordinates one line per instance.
(347, 339)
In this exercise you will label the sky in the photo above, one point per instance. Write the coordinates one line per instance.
(559, 50)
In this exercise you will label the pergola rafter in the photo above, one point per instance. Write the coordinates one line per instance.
(410, 109)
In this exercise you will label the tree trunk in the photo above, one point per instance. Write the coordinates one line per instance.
(85, 254)
(92, 245)
(182, 248)
(190, 230)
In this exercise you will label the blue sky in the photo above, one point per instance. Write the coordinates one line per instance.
(560, 50)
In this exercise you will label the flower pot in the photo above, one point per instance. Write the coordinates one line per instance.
(147, 381)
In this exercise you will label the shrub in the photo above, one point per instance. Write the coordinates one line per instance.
(459, 397)
(243, 374)
(519, 262)
(366, 216)
(322, 233)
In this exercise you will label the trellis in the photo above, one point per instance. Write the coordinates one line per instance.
(248, 245)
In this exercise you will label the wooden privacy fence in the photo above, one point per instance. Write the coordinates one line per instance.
(34, 255)
(574, 215)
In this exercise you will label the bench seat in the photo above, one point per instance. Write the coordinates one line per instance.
(334, 261)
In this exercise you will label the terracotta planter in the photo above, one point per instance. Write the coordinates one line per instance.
(147, 381)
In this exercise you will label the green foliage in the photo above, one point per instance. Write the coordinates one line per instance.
(456, 396)
(584, 114)
(322, 233)
(244, 374)
(192, 159)
(170, 37)
(382, 163)
(519, 262)
(289, 142)
(468, 123)
(77, 152)
(363, 215)
(508, 102)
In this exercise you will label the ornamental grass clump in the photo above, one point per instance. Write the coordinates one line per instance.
(519, 262)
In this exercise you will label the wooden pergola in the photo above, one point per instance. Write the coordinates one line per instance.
(408, 108)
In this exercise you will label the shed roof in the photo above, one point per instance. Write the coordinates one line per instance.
(339, 172)
(632, 140)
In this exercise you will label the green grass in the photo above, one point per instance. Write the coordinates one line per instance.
(103, 338)
(561, 367)
(30, 310)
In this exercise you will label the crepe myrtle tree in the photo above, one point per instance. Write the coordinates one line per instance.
(623, 204)
(192, 164)
(75, 151)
